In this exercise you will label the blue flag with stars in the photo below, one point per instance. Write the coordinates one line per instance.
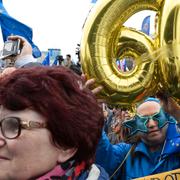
(10, 26)
(173, 140)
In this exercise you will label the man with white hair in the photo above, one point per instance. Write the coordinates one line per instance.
(156, 151)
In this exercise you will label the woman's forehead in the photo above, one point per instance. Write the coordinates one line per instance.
(26, 114)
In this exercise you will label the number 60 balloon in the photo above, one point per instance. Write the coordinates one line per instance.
(105, 39)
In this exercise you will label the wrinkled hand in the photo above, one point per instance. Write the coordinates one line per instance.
(89, 84)
(25, 46)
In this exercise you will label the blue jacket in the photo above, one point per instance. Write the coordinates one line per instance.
(141, 162)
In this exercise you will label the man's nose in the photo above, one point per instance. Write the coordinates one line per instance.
(152, 123)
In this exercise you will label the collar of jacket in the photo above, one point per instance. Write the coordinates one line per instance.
(142, 148)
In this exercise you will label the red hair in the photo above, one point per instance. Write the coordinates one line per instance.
(73, 115)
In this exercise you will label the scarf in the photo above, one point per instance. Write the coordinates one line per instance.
(65, 171)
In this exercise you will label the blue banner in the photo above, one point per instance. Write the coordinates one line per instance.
(55, 63)
(93, 1)
(10, 26)
(46, 61)
(145, 28)
(53, 53)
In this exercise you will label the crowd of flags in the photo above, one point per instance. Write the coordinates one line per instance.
(52, 54)
(11, 26)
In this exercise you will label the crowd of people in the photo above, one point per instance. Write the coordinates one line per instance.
(67, 62)
(53, 127)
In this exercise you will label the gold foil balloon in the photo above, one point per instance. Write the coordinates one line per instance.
(169, 38)
(105, 39)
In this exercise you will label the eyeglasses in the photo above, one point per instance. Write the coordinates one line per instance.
(139, 123)
(160, 117)
(11, 126)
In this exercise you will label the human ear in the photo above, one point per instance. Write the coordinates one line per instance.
(65, 154)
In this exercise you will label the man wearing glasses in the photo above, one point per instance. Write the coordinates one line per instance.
(157, 151)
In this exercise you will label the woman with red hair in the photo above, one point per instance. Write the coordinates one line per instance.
(49, 126)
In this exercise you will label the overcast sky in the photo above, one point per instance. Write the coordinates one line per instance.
(55, 23)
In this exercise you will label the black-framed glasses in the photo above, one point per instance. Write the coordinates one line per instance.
(11, 126)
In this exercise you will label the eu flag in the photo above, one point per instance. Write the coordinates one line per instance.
(145, 28)
(46, 61)
(172, 141)
(10, 26)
